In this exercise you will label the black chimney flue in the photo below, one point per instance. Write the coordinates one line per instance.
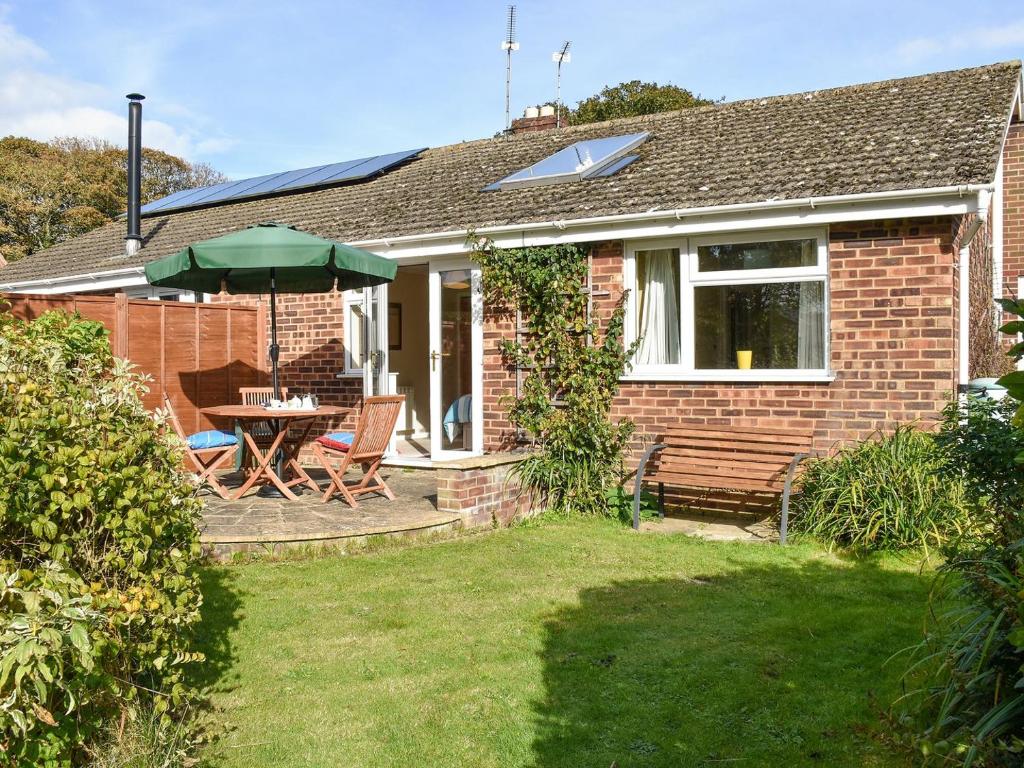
(133, 240)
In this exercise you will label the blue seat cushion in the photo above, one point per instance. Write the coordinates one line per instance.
(212, 438)
(339, 441)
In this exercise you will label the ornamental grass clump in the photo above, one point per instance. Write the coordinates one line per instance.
(98, 546)
(894, 491)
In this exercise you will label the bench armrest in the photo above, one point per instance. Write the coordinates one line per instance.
(786, 491)
(640, 470)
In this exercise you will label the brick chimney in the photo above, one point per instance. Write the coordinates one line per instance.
(535, 119)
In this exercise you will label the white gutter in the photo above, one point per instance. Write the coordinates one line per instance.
(961, 190)
(76, 278)
(984, 203)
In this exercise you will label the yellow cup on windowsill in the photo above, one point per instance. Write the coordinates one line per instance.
(744, 357)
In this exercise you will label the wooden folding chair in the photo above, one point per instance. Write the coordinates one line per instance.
(208, 460)
(262, 432)
(368, 444)
(259, 395)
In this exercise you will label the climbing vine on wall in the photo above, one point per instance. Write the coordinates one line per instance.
(571, 364)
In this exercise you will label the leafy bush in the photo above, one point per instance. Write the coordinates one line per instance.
(572, 374)
(620, 504)
(890, 492)
(965, 704)
(98, 539)
(981, 444)
(965, 700)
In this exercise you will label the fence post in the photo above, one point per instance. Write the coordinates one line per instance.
(120, 330)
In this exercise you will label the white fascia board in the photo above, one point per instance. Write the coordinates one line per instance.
(683, 223)
(98, 281)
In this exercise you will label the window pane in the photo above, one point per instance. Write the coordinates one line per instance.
(657, 306)
(356, 333)
(780, 325)
(776, 254)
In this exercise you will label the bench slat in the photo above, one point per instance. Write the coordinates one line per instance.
(784, 431)
(703, 481)
(759, 443)
(744, 456)
(738, 435)
(724, 469)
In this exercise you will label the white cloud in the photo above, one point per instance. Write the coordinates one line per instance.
(976, 38)
(15, 47)
(41, 105)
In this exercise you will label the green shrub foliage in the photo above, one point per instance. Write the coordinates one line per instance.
(891, 492)
(965, 700)
(981, 445)
(572, 374)
(965, 683)
(98, 543)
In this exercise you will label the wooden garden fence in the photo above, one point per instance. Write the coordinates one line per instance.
(199, 354)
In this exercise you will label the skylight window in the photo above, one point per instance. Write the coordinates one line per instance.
(582, 160)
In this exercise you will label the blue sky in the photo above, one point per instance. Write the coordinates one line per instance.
(253, 87)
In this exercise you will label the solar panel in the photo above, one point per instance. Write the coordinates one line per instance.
(282, 180)
(582, 160)
(189, 196)
(287, 181)
(164, 201)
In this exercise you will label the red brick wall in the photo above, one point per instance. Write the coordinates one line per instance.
(310, 334)
(1013, 208)
(893, 343)
(483, 495)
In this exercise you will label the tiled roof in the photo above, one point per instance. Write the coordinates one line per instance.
(936, 130)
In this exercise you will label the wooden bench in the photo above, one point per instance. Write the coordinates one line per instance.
(737, 457)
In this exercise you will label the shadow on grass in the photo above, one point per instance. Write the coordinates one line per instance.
(221, 616)
(770, 665)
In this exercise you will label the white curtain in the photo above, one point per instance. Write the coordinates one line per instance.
(810, 350)
(658, 318)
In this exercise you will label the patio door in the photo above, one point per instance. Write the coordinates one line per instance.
(456, 359)
(375, 366)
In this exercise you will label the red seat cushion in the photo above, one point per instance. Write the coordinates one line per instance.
(338, 441)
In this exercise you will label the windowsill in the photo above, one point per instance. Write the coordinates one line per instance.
(736, 377)
(349, 375)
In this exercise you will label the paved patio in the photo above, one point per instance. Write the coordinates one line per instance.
(255, 524)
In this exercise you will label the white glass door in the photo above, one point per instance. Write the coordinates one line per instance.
(456, 360)
(375, 365)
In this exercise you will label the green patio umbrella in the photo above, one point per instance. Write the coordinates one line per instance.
(270, 258)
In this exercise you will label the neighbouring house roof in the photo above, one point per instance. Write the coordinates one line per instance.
(936, 130)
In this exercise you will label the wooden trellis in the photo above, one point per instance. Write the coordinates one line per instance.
(521, 331)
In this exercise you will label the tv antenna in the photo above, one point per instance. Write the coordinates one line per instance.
(508, 45)
(560, 57)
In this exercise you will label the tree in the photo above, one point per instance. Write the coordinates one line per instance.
(632, 99)
(54, 191)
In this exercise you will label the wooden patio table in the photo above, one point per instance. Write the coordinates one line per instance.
(280, 420)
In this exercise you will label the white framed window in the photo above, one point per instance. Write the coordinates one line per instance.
(749, 306)
(354, 324)
(162, 294)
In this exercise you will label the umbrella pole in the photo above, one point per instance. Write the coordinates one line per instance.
(275, 352)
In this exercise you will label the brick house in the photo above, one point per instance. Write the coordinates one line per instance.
(824, 259)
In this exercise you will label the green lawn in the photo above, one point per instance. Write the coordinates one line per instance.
(559, 644)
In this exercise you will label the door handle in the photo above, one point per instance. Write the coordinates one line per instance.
(433, 360)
